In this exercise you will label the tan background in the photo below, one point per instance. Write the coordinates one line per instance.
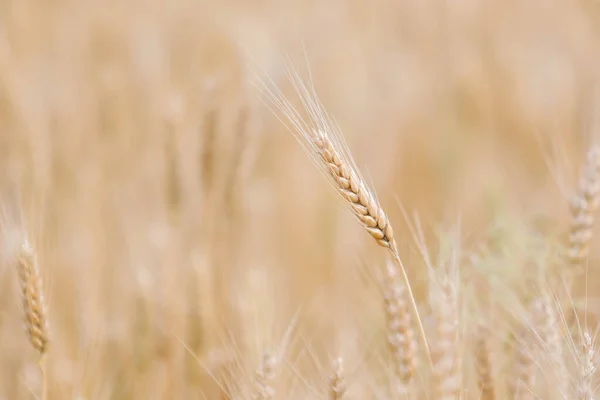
(170, 207)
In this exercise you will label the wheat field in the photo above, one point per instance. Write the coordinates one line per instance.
(185, 188)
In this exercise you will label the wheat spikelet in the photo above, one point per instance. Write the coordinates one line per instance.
(400, 333)
(337, 383)
(583, 207)
(485, 383)
(353, 190)
(34, 307)
(585, 386)
(265, 374)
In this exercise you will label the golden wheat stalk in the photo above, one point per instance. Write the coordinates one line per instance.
(321, 137)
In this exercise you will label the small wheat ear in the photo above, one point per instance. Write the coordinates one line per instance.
(34, 306)
(32, 298)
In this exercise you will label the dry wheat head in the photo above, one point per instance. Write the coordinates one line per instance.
(34, 307)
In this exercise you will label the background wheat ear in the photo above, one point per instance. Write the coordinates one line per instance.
(400, 332)
(583, 207)
(34, 305)
(32, 298)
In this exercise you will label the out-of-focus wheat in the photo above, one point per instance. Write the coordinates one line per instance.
(583, 206)
(34, 306)
(401, 336)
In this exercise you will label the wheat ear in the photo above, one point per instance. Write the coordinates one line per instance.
(485, 382)
(34, 307)
(32, 299)
(337, 383)
(446, 371)
(400, 333)
(583, 206)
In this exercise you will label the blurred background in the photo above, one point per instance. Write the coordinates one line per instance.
(180, 227)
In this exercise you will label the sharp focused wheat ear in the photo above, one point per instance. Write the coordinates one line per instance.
(32, 298)
(354, 191)
(322, 139)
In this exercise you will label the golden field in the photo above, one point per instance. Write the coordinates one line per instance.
(183, 236)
